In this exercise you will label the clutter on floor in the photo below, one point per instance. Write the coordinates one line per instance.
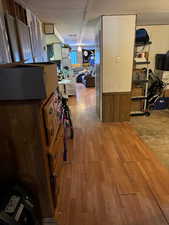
(17, 206)
(86, 77)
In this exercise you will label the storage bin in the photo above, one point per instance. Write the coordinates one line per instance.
(160, 61)
(162, 103)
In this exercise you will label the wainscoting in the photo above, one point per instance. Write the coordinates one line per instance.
(116, 106)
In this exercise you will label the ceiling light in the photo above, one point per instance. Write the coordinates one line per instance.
(79, 49)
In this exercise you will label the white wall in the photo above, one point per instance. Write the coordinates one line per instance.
(118, 50)
(159, 35)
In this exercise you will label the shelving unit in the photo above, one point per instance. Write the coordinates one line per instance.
(143, 44)
(142, 63)
(144, 82)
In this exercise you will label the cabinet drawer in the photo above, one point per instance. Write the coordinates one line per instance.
(61, 131)
(52, 121)
(56, 156)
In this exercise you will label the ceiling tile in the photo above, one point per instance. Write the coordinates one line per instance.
(69, 14)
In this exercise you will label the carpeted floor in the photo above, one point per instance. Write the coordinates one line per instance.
(154, 130)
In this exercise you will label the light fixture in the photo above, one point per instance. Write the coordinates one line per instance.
(79, 49)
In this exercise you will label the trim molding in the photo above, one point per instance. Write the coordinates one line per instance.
(115, 93)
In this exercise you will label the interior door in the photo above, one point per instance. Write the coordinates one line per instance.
(5, 56)
(12, 36)
(25, 42)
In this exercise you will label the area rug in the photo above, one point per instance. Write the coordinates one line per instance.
(154, 130)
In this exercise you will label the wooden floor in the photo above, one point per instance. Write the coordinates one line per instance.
(113, 178)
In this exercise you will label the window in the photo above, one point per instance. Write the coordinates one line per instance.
(73, 57)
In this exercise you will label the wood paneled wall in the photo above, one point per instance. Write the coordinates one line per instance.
(14, 9)
(116, 106)
(9, 7)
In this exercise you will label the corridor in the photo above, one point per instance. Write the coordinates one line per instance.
(112, 177)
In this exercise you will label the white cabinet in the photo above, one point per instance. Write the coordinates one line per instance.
(114, 65)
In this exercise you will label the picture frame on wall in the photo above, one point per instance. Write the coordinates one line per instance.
(87, 54)
(49, 28)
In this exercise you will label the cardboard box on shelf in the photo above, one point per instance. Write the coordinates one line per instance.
(49, 76)
(166, 93)
(137, 105)
(165, 77)
(137, 91)
(19, 83)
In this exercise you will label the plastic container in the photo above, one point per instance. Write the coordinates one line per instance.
(162, 103)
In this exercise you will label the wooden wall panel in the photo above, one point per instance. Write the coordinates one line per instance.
(9, 6)
(20, 13)
(15, 9)
(116, 106)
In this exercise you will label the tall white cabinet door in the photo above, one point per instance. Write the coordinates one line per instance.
(118, 51)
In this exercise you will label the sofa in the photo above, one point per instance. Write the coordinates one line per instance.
(88, 80)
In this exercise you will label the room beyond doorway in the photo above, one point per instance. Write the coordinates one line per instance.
(112, 177)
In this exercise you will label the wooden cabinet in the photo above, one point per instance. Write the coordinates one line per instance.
(25, 150)
(31, 134)
(52, 121)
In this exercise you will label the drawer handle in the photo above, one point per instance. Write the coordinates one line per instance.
(50, 111)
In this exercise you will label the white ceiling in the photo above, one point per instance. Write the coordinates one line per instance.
(76, 19)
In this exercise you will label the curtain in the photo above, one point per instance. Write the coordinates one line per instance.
(73, 57)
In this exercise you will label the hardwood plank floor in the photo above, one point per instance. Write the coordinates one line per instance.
(112, 177)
